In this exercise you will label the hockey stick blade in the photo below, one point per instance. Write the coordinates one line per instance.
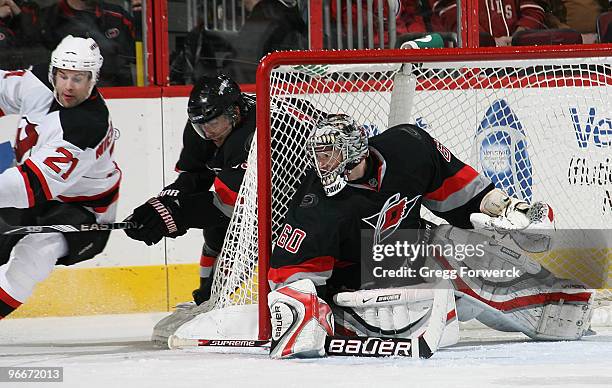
(6, 229)
(334, 346)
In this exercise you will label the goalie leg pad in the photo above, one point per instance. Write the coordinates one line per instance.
(535, 302)
(549, 318)
(564, 321)
(410, 312)
(300, 321)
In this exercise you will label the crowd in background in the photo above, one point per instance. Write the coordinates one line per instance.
(29, 30)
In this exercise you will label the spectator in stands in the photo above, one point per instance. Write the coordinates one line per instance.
(10, 14)
(108, 24)
(580, 15)
(196, 55)
(7, 38)
(271, 25)
(412, 16)
(8, 9)
(501, 19)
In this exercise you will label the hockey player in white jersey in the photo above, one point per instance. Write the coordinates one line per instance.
(65, 172)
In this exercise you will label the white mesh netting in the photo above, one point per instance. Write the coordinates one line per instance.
(539, 130)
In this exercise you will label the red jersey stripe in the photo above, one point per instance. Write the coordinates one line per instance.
(6, 298)
(227, 195)
(317, 264)
(207, 261)
(522, 301)
(453, 184)
(103, 209)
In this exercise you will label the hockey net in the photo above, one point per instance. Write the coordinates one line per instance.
(536, 122)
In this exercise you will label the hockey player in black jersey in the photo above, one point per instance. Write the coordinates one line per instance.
(65, 172)
(216, 142)
(379, 184)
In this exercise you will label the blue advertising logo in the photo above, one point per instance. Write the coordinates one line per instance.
(599, 132)
(502, 151)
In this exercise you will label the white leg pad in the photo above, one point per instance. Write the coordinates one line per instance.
(408, 312)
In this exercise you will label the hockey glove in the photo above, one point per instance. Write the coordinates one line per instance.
(530, 226)
(157, 218)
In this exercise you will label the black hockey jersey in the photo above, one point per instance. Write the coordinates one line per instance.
(202, 164)
(407, 168)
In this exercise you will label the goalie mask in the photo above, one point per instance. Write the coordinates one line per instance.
(212, 97)
(79, 54)
(335, 147)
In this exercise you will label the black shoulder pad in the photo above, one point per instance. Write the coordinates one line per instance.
(41, 71)
(86, 124)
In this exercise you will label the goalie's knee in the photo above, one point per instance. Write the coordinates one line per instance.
(300, 321)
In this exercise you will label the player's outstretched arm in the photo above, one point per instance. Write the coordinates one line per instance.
(171, 216)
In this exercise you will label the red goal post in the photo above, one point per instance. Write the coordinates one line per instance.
(484, 56)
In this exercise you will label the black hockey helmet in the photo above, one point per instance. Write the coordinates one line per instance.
(213, 96)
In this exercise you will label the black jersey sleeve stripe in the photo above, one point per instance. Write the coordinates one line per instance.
(38, 183)
(28, 187)
(101, 200)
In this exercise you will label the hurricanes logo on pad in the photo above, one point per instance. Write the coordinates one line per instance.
(393, 212)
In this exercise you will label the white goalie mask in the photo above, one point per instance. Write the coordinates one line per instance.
(81, 54)
(336, 146)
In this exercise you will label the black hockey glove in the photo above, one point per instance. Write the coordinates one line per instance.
(158, 217)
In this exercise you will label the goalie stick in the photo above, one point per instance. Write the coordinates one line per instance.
(334, 346)
(9, 230)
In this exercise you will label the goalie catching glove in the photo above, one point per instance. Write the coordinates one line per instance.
(530, 226)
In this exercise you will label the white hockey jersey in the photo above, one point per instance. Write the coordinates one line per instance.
(63, 154)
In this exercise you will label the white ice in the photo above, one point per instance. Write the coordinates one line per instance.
(113, 351)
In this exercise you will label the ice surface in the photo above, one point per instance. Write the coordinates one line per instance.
(114, 351)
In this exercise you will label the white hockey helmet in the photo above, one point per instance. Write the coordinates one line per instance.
(347, 143)
(82, 54)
